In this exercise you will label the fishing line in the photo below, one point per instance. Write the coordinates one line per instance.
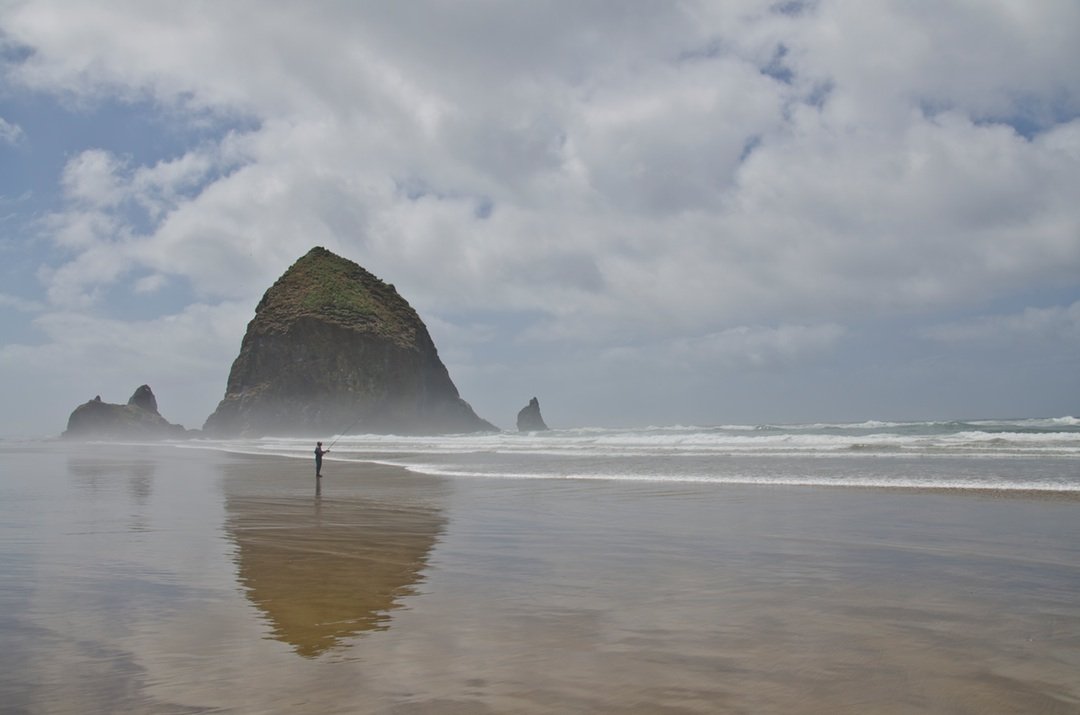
(342, 433)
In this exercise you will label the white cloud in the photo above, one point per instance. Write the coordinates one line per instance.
(107, 203)
(996, 59)
(91, 178)
(20, 304)
(184, 357)
(10, 133)
(629, 158)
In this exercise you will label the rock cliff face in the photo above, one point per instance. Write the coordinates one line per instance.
(138, 419)
(529, 418)
(334, 349)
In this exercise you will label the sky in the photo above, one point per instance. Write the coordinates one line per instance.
(640, 212)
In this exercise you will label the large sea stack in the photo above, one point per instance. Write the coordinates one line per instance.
(333, 349)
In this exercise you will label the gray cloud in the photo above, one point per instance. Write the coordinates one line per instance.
(1042, 326)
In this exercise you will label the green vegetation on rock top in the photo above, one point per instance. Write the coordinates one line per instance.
(324, 285)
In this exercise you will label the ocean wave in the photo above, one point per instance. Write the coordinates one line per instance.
(867, 425)
(625, 443)
(675, 449)
(867, 482)
(1044, 423)
(999, 455)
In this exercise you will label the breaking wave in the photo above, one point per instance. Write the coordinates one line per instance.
(1029, 454)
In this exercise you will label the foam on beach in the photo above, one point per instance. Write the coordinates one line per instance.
(1041, 455)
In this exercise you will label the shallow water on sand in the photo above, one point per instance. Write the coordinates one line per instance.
(159, 580)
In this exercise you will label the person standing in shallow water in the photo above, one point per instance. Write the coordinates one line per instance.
(319, 452)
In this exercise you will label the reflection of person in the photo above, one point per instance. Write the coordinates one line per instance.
(319, 452)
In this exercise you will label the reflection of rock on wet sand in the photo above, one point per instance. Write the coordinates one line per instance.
(99, 476)
(92, 472)
(324, 570)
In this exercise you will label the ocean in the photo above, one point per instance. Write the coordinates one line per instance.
(986, 454)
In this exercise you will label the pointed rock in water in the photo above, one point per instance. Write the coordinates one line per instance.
(529, 418)
(331, 349)
(138, 419)
(144, 397)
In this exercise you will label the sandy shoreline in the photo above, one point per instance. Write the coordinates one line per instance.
(165, 579)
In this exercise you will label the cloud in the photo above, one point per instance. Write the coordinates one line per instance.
(183, 356)
(20, 304)
(11, 134)
(91, 178)
(677, 178)
(112, 212)
(742, 347)
(1042, 326)
(990, 60)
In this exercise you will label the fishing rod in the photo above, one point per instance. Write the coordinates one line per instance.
(342, 433)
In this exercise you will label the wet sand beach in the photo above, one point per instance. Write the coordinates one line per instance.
(137, 579)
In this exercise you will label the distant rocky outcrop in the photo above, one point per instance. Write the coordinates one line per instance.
(334, 349)
(529, 418)
(144, 397)
(138, 419)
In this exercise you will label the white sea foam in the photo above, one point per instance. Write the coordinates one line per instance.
(1028, 454)
(695, 443)
(886, 481)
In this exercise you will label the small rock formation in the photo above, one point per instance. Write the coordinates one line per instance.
(333, 349)
(529, 418)
(138, 419)
(144, 398)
